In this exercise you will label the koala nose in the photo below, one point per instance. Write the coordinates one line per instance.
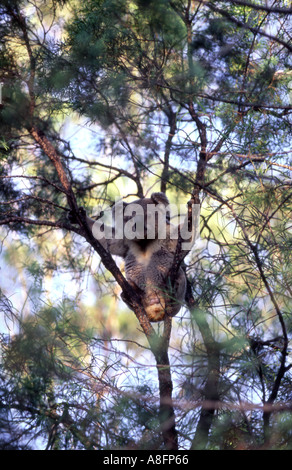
(138, 226)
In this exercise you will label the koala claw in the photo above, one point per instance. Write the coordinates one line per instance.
(71, 216)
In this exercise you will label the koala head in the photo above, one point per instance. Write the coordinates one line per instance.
(143, 219)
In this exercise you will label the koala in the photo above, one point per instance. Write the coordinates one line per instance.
(144, 237)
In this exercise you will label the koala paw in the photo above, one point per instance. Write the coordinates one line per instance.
(71, 216)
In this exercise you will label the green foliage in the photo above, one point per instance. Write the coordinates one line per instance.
(136, 420)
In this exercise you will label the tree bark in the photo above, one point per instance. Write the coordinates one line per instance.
(166, 409)
(211, 391)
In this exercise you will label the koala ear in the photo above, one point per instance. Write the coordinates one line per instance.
(159, 198)
(119, 207)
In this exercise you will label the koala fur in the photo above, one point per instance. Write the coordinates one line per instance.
(148, 259)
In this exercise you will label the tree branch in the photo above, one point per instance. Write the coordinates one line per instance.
(172, 128)
(159, 346)
(211, 393)
(280, 11)
(242, 25)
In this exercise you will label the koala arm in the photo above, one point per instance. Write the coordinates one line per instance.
(188, 237)
(106, 236)
(190, 240)
(114, 246)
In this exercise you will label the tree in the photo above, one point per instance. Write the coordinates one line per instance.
(113, 98)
